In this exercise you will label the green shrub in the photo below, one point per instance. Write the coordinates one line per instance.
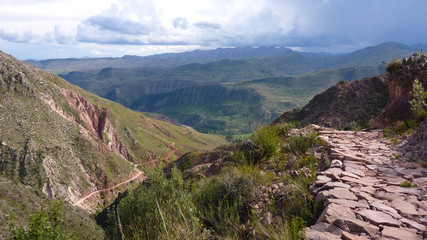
(394, 66)
(418, 102)
(300, 144)
(164, 210)
(267, 142)
(406, 184)
(223, 201)
(46, 224)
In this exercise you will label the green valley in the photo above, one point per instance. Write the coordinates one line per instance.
(229, 96)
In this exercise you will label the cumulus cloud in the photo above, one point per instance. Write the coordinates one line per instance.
(180, 22)
(213, 23)
(129, 22)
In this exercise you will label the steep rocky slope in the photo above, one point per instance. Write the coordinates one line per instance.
(344, 104)
(67, 143)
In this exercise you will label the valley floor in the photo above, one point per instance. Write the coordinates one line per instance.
(369, 191)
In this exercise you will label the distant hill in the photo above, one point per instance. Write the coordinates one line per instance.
(65, 143)
(160, 61)
(363, 57)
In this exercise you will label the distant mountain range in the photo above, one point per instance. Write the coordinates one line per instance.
(366, 56)
(224, 90)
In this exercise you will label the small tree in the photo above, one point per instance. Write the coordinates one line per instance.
(418, 102)
(46, 223)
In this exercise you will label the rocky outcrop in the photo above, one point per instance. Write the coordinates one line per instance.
(368, 192)
(400, 87)
(415, 148)
(344, 104)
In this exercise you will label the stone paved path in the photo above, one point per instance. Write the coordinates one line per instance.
(362, 190)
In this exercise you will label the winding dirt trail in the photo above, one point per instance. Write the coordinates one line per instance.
(80, 201)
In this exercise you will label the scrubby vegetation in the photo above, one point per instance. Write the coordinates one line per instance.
(394, 66)
(418, 102)
(260, 193)
(49, 223)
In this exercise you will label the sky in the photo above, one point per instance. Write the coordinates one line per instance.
(43, 29)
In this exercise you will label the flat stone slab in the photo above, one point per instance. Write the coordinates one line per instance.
(420, 181)
(413, 224)
(334, 211)
(378, 218)
(366, 181)
(349, 236)
(398, 234)
(397, 189)
(321, 180)
(387, 209)
(331, 185)
(411, 173)
(333, 173)
(356, 225)
(349, 174)
(355, 171)
(347, 203)
(311, 234)
(404, 208)
(388, 171)
(388, 196)
(392, 180)
(338, 193)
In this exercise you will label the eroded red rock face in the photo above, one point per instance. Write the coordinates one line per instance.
(400, 87)
(96, 121)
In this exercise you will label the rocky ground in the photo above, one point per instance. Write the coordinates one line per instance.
(369, 191)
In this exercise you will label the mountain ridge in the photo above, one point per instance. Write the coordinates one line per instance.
(66, 143)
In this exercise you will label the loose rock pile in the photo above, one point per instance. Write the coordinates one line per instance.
(368, 191)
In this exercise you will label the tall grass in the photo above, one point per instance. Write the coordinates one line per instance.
(223, 202)
(164, 210)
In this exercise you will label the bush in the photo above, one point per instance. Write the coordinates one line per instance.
(418, 102)
(164, 210)
(268, 143)
(46, 224)
(394, 66)
(223, 202)
(300, 144)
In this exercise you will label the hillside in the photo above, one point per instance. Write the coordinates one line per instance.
(66, 143)
(344, 105)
